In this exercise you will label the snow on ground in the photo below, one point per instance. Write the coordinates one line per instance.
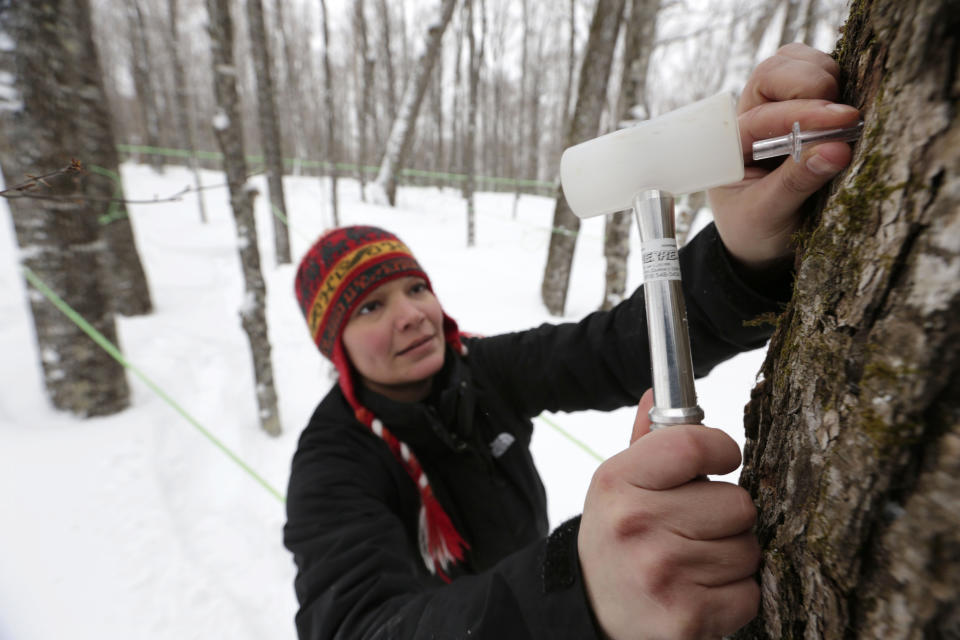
(134, 525)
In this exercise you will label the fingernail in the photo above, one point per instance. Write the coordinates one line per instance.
(821, 166)
(841, 108)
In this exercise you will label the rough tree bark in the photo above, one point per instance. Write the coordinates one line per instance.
(269, 129)
(228, 130)
(853, 436)
(584, 124)
(401, 133)
(92, 142)
(639, 32)
(183, 114)
(41, 116)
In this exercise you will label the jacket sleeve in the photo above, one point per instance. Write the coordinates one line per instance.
(361, 577)
(603, 361)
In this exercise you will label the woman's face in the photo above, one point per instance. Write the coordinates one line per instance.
(394, 339)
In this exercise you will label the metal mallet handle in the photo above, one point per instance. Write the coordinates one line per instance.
(674, 396)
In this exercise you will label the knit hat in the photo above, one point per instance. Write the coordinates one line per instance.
(342, 267)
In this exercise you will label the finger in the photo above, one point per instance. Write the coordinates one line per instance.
(730, 607)
(774, 119)
(641, 423)
(783, 78)
(715, 563)
(701, 510)
(670, 457)
(786, 188)
(800, 51)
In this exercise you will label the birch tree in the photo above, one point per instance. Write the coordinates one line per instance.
(639, 34)
(269, 129)
(584, 124)
(853, 435)
(42, 114)
(228, 131)
(384, 189)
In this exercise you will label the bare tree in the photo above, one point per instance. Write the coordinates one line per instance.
(791, 23)
(639, 32)
(140, 60)
(385, 187)
(228, 129)
(387, 59)
(290, 89)
(475, 61)
(41, 117)
(269, 129)
(364, 77)
(810, 22)
(585, 123)
(333, 153)
(183, 114)
(853, 435)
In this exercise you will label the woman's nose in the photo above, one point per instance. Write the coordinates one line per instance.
(407, 315)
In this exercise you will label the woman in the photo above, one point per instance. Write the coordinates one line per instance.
(414, 507)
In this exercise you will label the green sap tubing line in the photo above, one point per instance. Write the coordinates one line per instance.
(114, 352)
(344, 166)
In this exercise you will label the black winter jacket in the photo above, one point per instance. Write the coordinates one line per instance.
(353, 510)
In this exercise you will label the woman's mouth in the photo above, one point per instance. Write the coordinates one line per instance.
(415, 345)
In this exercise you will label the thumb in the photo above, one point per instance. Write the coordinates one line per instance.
(796, 181)
(641, 424)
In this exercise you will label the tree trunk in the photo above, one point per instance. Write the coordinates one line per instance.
(810, 23)
(333, 153)
(585, 123)
(688, 208)
(388, 60)
(401, 134)
(146, 98)
(269, 130)
(533, 141)
(788, 32)
(295, 130)
(42, 113)
(638, 45)
(228, 130)
(363, 72)
(853, 436)
(183, 108)
(475, 60)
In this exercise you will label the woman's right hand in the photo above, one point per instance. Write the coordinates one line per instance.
(666, 553)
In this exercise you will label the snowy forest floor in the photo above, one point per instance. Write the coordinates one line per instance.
(134, 525)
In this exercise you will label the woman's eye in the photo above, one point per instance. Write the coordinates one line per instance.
(419, 287)
(368, 307)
